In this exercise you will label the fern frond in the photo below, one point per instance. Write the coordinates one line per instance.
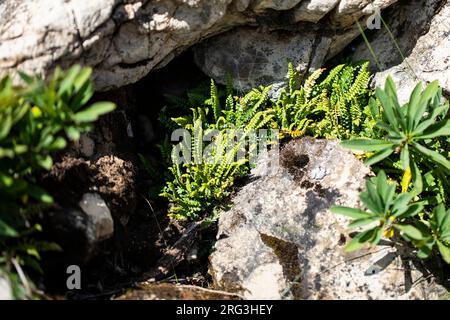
(311, 82)
(215, 101)
(360, 84)
(293, 78)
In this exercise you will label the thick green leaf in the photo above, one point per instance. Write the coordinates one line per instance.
(439, 129)
(401, 203)
(40, 194)
(385, 189)
(426, 248)
(350, 212)
(390, 88)
(416, 177)
(6, 123)
(379, 156)
(25, 77)
(6, 230)
(93, 112)
(377, 236)
(388, 108)
(69, 79)
(369, 203)
(374, 195)
(404, 157)
(82, 78)
(433, 155)
(73, 133)
(444, 250)
(57, 144)
(413, 105)
(366, 144)
(364, 221)
(439, 215)
(410, 231)
(440, 110)
(411, 211)
(445, 223)
(82, 97)
(45, 162)
(361, 239)
(374, 109)
(428, 94)
(6, 153)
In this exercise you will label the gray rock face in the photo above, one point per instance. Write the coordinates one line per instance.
(256, 57)
(253, 57)
(421, 29)
(313, 10)
(280, 241)
(124, 40)
(349, 10)
(275, 4)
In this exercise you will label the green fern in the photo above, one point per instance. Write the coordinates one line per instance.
(194, 188)
(336, 106)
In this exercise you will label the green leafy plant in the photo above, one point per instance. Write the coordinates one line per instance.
(333, 107)
(410, 130)
(37, 118)
(195, 187)
(436, 233)
(414, 148)
(336, 107)
(389, 211)
(386, 208)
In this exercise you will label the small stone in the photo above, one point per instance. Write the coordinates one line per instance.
(99, 216)
(80, 231)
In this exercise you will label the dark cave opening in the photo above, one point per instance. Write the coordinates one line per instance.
(135, 132)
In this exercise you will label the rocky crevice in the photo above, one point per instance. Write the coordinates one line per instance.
(125, 40)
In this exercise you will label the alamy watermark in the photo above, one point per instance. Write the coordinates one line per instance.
(74, 279)
(374, 20)
(211, 146)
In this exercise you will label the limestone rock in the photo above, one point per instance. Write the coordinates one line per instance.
(280, 240)
(124, 40)
(254, 58)
(350, 10)
(99, 215)
(313, 10)
(427, 49)
(275, 4)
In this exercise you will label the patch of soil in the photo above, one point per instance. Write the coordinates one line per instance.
(106, 161)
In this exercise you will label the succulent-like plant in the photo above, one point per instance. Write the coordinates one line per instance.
(384, 207)
(409, 129)
(390, 211)
(436, 233)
